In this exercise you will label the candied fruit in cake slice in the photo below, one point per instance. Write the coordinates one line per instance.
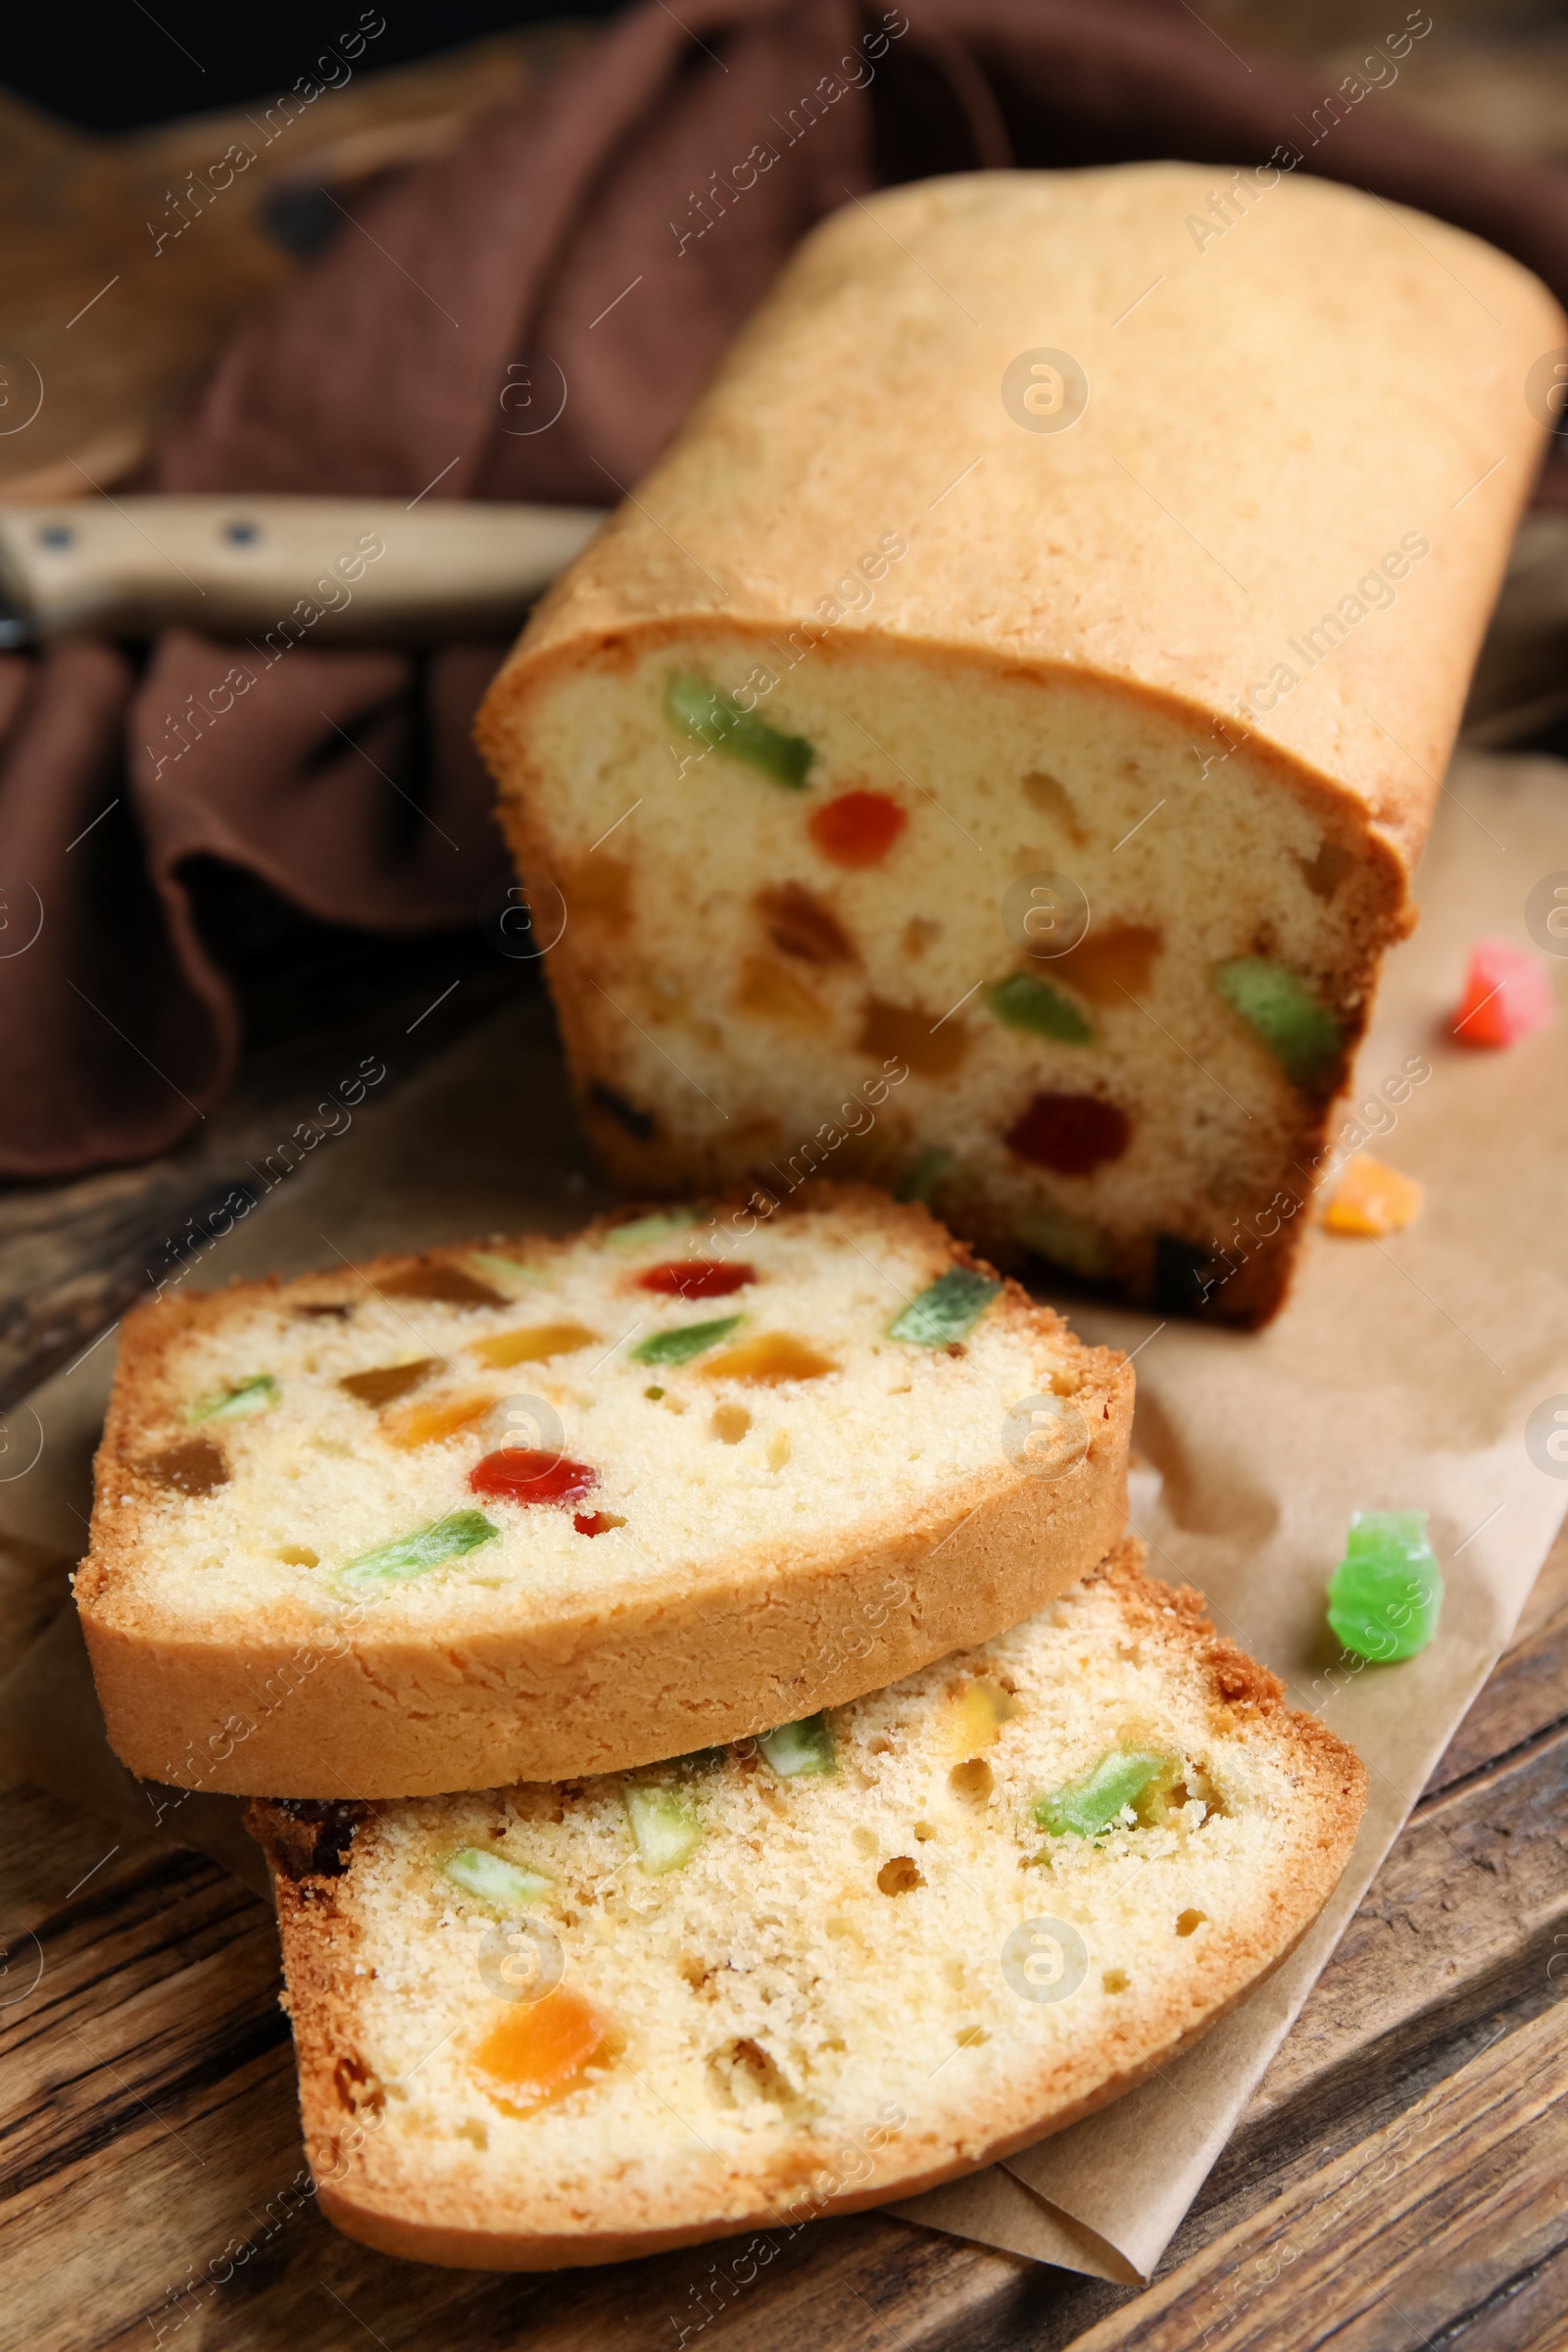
(1124, 1778)
(427, 1548)
(1072, 1135)
(856, 828)
(538, 2051)
(195, 1467)
(698, 1278)
(707, 717)
(1507, 994)
(1025, 1001)
(492, 1878)
(801, 1750)
(687, 1341)
(429, 1424)
(533, 1345)
(237, 1400)
(1283, 1016)
(530, 1474)
(443, 1285)
(770, 992)
(1113, 963)
(931, 1043)
(947, 1309)
(771, 1360)
(799, 925)
(664, 1825)
(1373, 1200)
(386, 1383)
(1385, 1594)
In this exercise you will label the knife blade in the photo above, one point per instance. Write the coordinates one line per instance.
(336, 568)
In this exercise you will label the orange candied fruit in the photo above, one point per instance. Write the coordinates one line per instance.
(540, 2050)
(772, 1357)
(856, 828)
(1373, 1200)
(534, 1345)
(427, 1424)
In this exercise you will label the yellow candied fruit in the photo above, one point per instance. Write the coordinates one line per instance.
(1373, 1200)
(975, 1718)
(534, 1344)
(770, 992)
(538, 2052)
(427, 1424)
(772, 1357)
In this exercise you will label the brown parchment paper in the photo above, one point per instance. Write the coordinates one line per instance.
(1400, 1376)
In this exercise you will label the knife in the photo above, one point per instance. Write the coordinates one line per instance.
(281, 568)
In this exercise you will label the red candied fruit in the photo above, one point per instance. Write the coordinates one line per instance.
(858, 828)
(1069, 1133)
(697, 1278)
(595, 1523)
(526, 1474)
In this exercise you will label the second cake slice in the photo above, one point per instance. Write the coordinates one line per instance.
(529, 1510)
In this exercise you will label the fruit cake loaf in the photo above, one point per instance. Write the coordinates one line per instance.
(1033, 661)
(832, 1966)
(550, 1507)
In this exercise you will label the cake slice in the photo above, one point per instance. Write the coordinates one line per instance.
(825, 1968)
(1030, 668)
(541, 1507)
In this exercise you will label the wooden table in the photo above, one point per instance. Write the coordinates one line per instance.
(1397, 2181)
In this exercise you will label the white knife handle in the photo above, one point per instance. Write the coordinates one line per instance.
(364, 568)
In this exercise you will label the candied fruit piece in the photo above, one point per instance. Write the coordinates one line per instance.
(771, 1357)
(947, 1309)
(1025, 1001)
(678, 1346)
(539, 2050)
(664, 1825)
(975, 1718)
(1507, 993)
(427, 1548)
(696, 706)
(697, 1278)
(195, 1467)
(932, 1047)
(1283, 1016)
(529, 1474)
(1066, 1240)
(429, 1424)
(1088, 1808)
(638, 1232)
(1071, 1133)
(1386, 1593)
(770, 992)
(856, 828)
(237, 1400)
(535, 1344)
(799, 924)
(504, 1885)
(388, 1382)
(931, 1167)
(598, 890)
(595, 1523)
(799, 1750)
(1112, 963)
(1373, 1200)
(449, 1286)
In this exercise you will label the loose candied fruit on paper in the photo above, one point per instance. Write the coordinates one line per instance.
(1373, 1200)
(1507, 993)
(1385, 1594)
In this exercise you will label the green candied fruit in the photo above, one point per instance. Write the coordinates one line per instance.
(1276, 1003)
(494, 1879)
(797, 1750)
(1066, 1240)
(947, 1309)
(1088, 1808)
(653, 1228)
(680, 1345)
(664, 1825)
(238, 1401)
(932, 1166)
(1385, 1594)
(697, 707)
(1025, 1002)
(427, 1548)
(506, 1269)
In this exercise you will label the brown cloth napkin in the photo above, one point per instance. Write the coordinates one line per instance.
(608, 234)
